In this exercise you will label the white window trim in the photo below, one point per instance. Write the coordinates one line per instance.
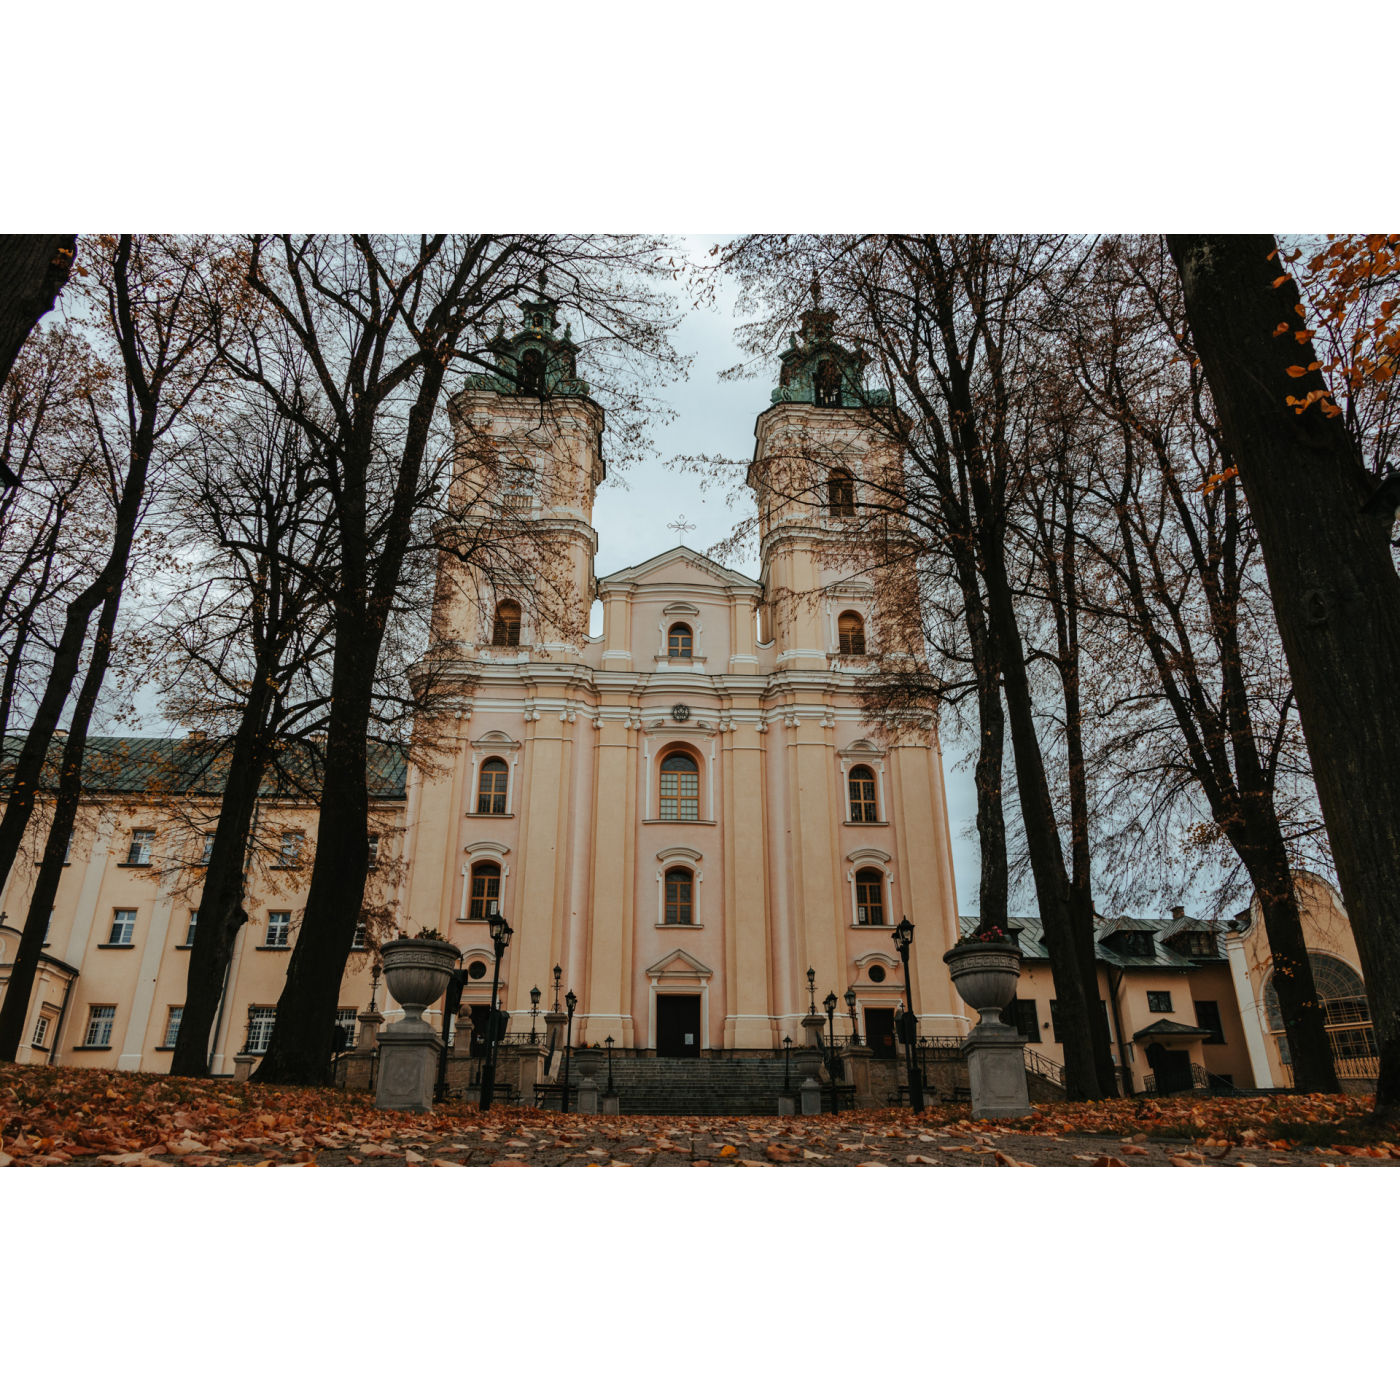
(690, 860)
(480, 852)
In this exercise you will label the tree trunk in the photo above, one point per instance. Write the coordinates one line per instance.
(1074, 1010)
(33, 270)
(14, 1014)
(221, 910)
(1335, 590)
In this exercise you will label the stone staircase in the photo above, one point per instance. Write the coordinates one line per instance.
(702, 1087)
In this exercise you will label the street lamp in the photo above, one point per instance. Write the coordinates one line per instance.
(558, 973)
(570, 1001)
(787, 1049)
(609, 1043)
(851, 1007)
(500, 940)
(534, 1011)
(903, 936)
(830, 1005)
(812, 991)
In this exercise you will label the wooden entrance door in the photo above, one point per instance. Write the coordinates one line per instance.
(678, 1026)
(879, 1031)
(1171, 1067)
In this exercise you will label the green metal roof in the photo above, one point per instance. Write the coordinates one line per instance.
(196, 768)
(1162, 955)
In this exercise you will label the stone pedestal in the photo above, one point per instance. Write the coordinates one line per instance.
(612, 1106)
(243, 1067)
(811, 1094)
(996, 1072)
(812, 1026)
(857, 1059)
(787, 1106)
(408, 1061)
(588, 1095)
(368, 1038)
(524, 1070)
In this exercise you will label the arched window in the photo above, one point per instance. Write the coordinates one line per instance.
(870, 902)
(532, 373)
(840, 493)
(680, 788)
(680, 888)
(486, 891)
(506, 631)
(826, 385)
(850, 630)
(1344, 1005)
(862, 790)
(491, 792)
(679, 642)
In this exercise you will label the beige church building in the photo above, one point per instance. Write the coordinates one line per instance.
(687, 816)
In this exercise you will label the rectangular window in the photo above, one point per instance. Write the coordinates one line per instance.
(291, 849)
(279, 930)
(373, 851)
(172, 1026)
(123, 927)
(41, 1032)
(1208, 1019)
(190, 929)
(140, 852)
(1023, 1015)
(345, 1021)
(260, 1019)
(99, 1027)
(359, 940)
(679, 890)
(680, 797)
(208, 848)
(1159, 1001)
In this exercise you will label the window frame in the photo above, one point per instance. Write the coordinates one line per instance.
(284, 916)
(1154, 1003)
(191, 928)
(680, 797)
(477, 904)
(173, 1017)
(1217, 1023)
(680, 642)
(139, 848)
(863, 906)
(869, 804)
(850, 641)
(262, 1016)
(129, 927)
(106, 1023)
(503, 624)
(496, 800)
(680, 874)
(1023, 1022)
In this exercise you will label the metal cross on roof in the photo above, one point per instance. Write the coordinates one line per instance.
(680, 525)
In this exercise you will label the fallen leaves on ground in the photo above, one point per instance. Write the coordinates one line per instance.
(73, 1117)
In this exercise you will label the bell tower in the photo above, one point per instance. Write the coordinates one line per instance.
(529, 461)
(818, 457)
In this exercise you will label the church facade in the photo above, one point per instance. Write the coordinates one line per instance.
(689, 812)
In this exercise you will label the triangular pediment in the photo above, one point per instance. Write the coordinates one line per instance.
(679, 963)
(680, 565)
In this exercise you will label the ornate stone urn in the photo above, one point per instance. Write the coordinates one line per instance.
(985, 975)
(417, 971)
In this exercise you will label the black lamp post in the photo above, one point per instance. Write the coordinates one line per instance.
(830, 1005)
(500, 940)
(609, 1043)
(558, 973)
(787, 1048)
(851, 1007)
(570, 1001)
(812, 991)
(534, 1011)
(903, 936)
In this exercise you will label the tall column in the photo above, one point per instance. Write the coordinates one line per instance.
(611, 917)
(748, 1023)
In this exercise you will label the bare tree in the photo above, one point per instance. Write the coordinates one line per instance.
(1333, 581)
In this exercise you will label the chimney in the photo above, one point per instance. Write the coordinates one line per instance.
(1178, 911)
